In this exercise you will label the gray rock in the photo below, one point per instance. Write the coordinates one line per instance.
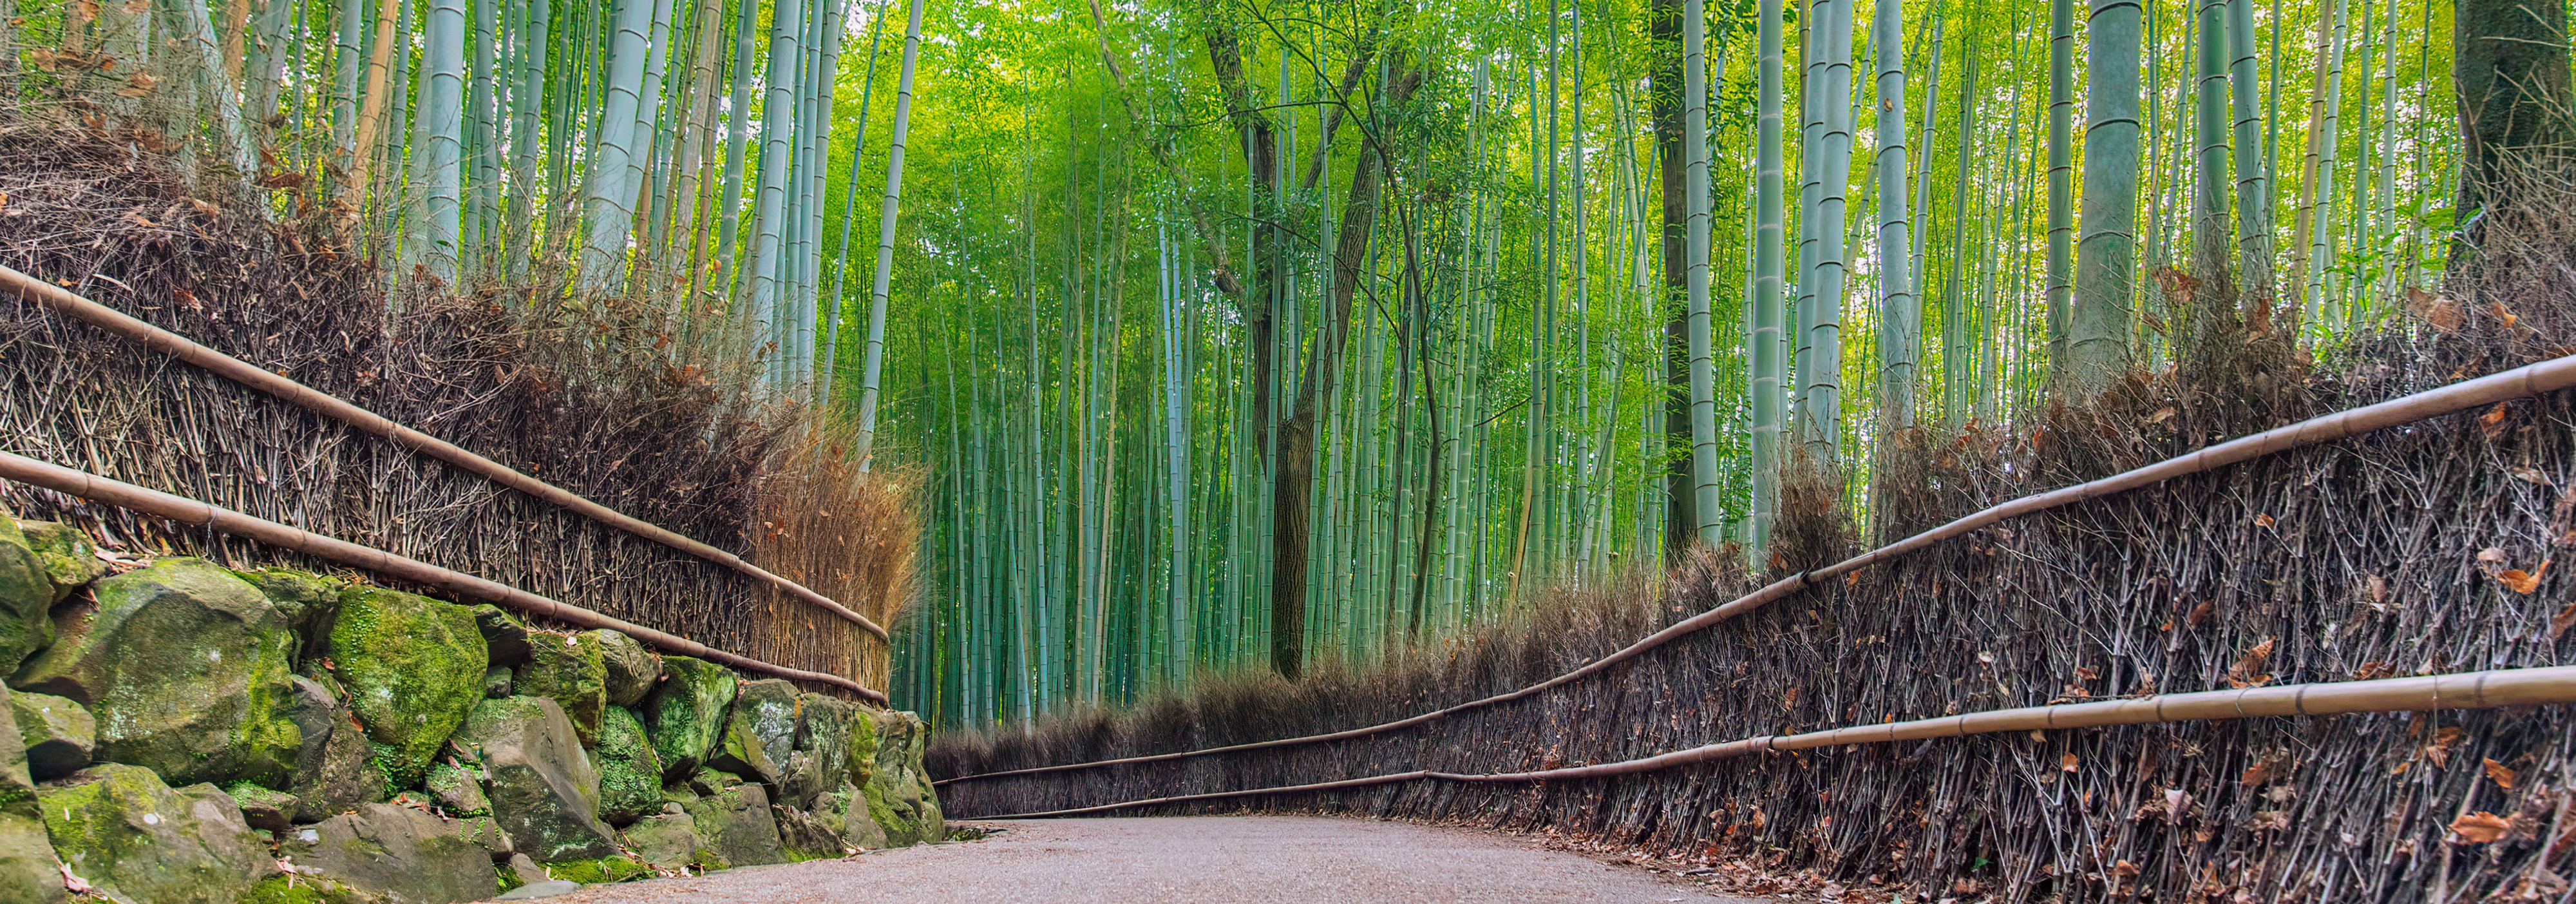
(544, 791)
(630, 777)
(458, 789)
(848, 808)
(307, 600)
(66, 553)
(820, 758)
(525, 870)
(736, 825)
(26, 855)
(546, 889)
(668, 841)
(59, 733)
(187, 669)
(898, 795)
(632, 669)
(686, 714)
(26, 593)
(263, 809)
(136, 839)
(803, 836)
(413, 667)
(496, 683)
(334, 768)
(505, 638)
(759, 732)
(569, 669)
(402, 855)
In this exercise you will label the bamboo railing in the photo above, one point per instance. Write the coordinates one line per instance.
(217, 518)
(141, 333)
(2463, 690)
(2529, 380)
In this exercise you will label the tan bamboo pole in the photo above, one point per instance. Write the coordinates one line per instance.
(2529, 380)
(214, 517)
(2463, 690)
(336, 408)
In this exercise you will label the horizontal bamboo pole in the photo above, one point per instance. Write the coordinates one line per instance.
(2521, 382)
(2465, 690)
(214, 517)
(336, 408)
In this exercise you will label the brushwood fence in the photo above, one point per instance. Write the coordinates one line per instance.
(324, 408)
(2024, 660)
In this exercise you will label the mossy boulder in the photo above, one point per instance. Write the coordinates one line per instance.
(804, 836)
(632, 669)
(67, 555)
(300, 890)
(759, 732)
(306, 599)
(630, 776)
(187, 669)
(413, 669)
(505, 637)
(134, 838)
(818, 759)
(26, 592)
(544, 790)
(335, 768)
(395, 854)
(668, 840)
(26, 855)
(898, 795)
(737, 826)
(571, 670)
(497, 683)
(685, 715)
(262, 808)
(59, 733)
(458, 790)
(845, 810)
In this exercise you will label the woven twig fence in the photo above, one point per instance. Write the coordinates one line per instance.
(2414, 551)
(73, 482)
(586, 396)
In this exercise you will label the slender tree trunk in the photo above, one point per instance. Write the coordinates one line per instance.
(1681, 519)
(1292, 492)
(1900, 310)
(885, 237)
(2509, 67)
(1764, 337)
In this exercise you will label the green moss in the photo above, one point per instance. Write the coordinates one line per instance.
(300, 890)
(572, 670)
(600, 871)
(413, 667)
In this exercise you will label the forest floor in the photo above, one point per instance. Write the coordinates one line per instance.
(1210, 859)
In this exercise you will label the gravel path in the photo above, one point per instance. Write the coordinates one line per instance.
(1201, 860)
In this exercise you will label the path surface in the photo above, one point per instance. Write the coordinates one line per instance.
(1199, 859)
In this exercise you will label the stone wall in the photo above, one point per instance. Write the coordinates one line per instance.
(176, 732)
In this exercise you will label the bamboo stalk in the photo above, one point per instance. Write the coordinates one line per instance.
(217, 518)
(2545, 685)
(2521, 382)
(335, 408)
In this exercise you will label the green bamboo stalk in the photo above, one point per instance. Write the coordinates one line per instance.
(2253, 169)
(885, 236)
(2098, 324)
(1764, 338)
(1900, 325)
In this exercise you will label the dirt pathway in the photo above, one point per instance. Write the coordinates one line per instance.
(1201, 860)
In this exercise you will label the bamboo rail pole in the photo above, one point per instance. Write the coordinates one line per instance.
(214, 517)
(2463, 690)
(2521, 382)
(336, 408)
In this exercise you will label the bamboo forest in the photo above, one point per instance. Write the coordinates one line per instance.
(1217, 337)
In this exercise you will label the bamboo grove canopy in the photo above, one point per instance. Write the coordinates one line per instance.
(1256, 333)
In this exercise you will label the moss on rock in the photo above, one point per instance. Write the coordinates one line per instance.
(571, 670)
(137, 839)
(632, 669)
(600, 871)
(686, 714)
(630, 776)
(186, 668)
(26, 592)
(65, 553)
(413, 668)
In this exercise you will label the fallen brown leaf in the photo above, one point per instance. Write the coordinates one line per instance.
(2481, 826)
(2502, 775)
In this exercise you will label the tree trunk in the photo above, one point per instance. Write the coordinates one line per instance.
(2509, 65)
(1681, 519)
(1292, 494)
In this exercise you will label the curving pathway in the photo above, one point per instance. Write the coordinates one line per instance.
(1197, 859)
